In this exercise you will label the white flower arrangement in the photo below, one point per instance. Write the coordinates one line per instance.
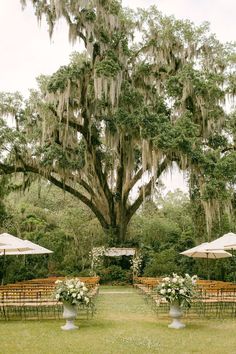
(72, 291)
(178, 288)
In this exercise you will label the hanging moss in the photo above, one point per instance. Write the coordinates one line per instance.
(122, 113)
(107, 67)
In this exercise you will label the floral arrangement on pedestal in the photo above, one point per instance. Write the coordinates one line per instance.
(71, 291)
(176, 288)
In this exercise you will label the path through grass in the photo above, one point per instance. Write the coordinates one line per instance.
(123, 324)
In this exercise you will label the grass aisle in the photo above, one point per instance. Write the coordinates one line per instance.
(123, 324)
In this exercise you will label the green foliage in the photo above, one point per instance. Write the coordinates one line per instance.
(147, 93)
(3, 192)
(59, 80)
(108, 67)
(160, 231)
(53, 220)
(115, 275)
(162, 263)
(163, 230)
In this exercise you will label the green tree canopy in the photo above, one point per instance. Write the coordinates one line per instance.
(147, 91)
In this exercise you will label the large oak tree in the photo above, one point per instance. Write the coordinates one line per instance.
(147, 91)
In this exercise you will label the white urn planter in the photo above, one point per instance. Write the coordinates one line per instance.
(176, 313)
(69, 314)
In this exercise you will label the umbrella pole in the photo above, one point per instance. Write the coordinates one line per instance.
(208, 275)
(233, 257)
(3, 268)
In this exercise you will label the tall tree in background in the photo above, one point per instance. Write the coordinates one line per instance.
(147, 91)
(3, 192)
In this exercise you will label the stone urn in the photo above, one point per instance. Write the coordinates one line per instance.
(176, 313)
(69, 314)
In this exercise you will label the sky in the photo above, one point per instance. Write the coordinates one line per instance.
(27, 51)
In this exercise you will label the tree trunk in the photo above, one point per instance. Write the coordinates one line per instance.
(117, 235)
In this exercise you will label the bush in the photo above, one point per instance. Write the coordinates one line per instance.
(115, 275)
(162, 263)
(85, 273)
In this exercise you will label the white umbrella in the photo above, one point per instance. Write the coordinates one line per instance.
(10, 244)
(230, 247)
(33, 248)
(224, 242)
(201, 251)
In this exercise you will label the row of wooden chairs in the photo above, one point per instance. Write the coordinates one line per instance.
(26, 298)
(215, 284)
(213, 298)
(52, 280)
(147, 281)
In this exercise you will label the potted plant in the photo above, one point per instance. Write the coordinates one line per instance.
(179, 292)
(72, 292)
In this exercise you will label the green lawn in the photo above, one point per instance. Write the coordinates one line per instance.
(124, 323)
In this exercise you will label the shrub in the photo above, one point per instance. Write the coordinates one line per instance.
(115, 274)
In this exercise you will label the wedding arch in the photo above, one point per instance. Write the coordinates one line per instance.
(99, 252)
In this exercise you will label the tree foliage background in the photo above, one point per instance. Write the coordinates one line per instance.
(53, 219)
(147, 91)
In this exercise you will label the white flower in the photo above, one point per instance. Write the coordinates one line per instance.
(71, 290)
(178, 288)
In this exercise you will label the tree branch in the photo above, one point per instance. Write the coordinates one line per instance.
(72, 124)
(147, 190)
(86, 187)
(9, 169)
(70, 23)
(133, 181)
(81, 197)
(134, 207)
